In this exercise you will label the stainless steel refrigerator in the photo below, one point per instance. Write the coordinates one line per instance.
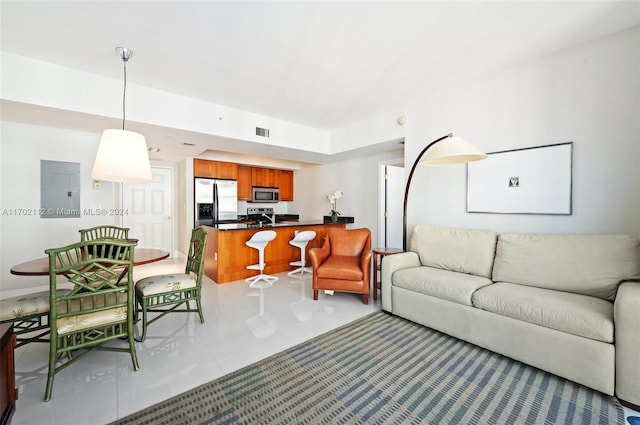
(216, 201)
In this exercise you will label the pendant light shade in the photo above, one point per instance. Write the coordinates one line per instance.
(122, 155)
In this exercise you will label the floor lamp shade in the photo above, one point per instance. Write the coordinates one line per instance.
(446, 150)
(122, 157)
(452, 150)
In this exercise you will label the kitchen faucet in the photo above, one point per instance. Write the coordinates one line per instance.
(272, 218)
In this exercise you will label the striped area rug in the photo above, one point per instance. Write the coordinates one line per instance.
(382, 369)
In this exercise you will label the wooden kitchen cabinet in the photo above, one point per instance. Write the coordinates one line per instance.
(264, 177)
(244, 183)
(215, 169)
(285, 183)
(227, 170)
(227, 254)
(204, 168)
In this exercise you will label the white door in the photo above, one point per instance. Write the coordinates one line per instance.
(394, 199)
(148, 208)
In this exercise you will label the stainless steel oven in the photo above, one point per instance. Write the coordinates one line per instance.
(265, 194)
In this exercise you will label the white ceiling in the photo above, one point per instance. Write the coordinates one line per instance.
(322, 64)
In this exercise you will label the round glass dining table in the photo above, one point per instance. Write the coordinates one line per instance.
(40, 266)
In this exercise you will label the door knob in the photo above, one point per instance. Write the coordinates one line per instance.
(168, 217)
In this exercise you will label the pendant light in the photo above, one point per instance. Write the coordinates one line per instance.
(122, 155)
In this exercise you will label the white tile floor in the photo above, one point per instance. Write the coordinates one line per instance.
(242, 325)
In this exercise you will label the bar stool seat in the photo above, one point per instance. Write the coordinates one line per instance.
(259, 241)
(301, 240)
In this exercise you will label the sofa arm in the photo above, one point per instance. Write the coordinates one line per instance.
(627, 339)
(390, 264)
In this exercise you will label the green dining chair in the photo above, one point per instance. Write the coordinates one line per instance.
(97, 310)
(172, 293)
(29, 314)
(104, 232)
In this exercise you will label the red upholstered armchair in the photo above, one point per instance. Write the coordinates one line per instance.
(343, 262)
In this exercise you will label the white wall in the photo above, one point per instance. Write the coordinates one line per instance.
(357, 178)
(589, 94)
(24, 235)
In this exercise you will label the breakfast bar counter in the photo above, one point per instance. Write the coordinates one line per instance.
(227, 255)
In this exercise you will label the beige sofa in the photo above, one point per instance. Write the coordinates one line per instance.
(567, 304)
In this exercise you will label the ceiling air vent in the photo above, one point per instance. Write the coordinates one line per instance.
(263, 132)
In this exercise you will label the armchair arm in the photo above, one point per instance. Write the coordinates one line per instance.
(365, 266)
(390, 264)
(626, 312)
(319, 255)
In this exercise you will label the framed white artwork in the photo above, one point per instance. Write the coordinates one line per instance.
(535, 180)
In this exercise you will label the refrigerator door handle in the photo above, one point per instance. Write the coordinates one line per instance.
(216, 206)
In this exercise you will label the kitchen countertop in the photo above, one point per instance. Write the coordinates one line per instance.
(245, 226)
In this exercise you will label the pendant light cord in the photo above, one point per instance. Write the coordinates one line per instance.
(124, 93)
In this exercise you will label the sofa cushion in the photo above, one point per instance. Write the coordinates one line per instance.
(580, 315)
(448, 285)
(460, 250)
(584, 264)
(341, 267)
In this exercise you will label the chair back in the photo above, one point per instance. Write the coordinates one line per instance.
(95, 269)
(195, 258)
(349, 242)
(104, 232)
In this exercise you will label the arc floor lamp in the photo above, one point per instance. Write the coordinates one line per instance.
(446, 150)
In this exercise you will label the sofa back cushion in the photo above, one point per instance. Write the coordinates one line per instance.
(460, 250)
(583, 264)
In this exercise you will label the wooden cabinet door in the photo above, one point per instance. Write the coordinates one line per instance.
(244, 183)
(285, 183)
(204, 168)
(215, 169)
(227, 170)
(264, 177)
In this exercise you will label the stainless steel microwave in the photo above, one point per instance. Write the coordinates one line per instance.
(265, 194)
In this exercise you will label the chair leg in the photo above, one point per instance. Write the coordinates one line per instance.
(199, 304)
(53, 357)
(144, 321)
(315, 295)
(365, 298)
(132, 347)
(267, 279)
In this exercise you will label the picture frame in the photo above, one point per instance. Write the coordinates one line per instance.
(533, 180)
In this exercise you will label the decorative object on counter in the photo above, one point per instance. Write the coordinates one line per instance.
(452, 150)
(122, 154)
(326, 219)
(333, 201)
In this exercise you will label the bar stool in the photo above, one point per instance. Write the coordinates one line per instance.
(301, 240)
(259, 241)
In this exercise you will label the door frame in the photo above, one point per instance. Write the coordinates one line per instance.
(382, 198)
